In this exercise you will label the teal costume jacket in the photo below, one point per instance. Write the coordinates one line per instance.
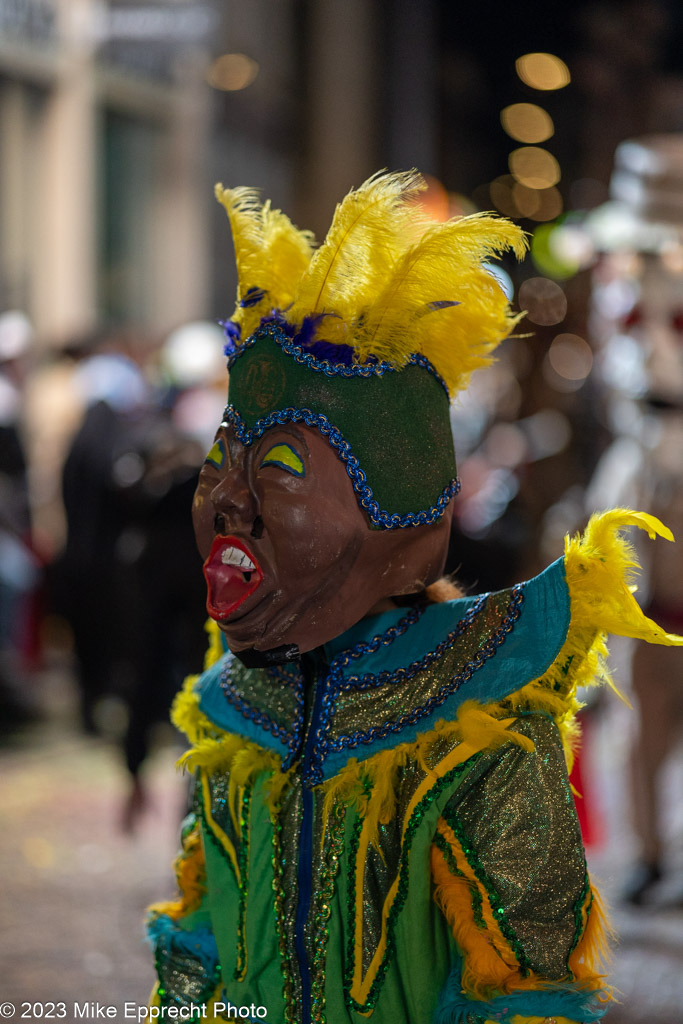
(385, 829)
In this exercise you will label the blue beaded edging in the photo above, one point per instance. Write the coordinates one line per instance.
(261, 718)
(378, 516)
(276, 333)
(292, 739)
(336, 683)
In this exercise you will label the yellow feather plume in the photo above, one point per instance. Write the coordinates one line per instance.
(387, 280)
(370, 229)
(445, 266)
(270, 252)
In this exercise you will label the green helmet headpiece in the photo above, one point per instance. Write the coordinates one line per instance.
(368, 337)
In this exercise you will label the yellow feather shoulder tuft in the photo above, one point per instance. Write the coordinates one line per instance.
(599, 568)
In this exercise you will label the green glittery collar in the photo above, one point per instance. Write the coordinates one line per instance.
(388, 687)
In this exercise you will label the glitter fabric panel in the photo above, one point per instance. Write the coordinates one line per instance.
(325, 903)
(288, 826)
(218, 808)
(263, 705)
(383, 863)
(183, 976)
(385, 703)
(274, 694)
(516, 820)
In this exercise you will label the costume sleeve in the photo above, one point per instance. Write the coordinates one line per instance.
(180, 931)
(510, 876)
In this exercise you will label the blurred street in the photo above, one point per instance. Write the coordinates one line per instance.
(76, 886)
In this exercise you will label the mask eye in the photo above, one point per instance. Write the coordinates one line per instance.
(284, 456)
(216, 455)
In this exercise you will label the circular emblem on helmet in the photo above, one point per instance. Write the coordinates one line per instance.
(262, 385)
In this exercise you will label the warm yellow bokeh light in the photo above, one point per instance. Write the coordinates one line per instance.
(38, 852)
(501, 195)
(525, 199)
(537, 204)
(543, 71)
(534, 167)
(514, 199)
(527, 122)
(232, 71)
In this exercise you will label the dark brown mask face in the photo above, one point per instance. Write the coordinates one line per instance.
(290, 558)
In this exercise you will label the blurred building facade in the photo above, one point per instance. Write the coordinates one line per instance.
(104, 119)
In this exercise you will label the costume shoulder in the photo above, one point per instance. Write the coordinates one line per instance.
(467, 667)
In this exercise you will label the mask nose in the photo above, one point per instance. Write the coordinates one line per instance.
(233, 501)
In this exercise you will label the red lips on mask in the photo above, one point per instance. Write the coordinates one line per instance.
(232, 574)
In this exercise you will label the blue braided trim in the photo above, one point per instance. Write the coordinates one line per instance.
(291, 739)
(334, 436)
(336, 683)
(276, 333)
(294, 679)
(371, 680)
(384, 639)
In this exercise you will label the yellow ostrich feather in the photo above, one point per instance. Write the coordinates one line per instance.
(387, 280)
(370, 229)
(270, 252)
(444, 266)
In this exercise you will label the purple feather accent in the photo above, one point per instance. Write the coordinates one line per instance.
(233, 333)
(304, 337)
(306, 333)
(333, 353)
(277, 317)
(440, 304)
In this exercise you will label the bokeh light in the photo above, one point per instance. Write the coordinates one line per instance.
(527, 122)
(568, 362)
(534, 167)
(537, 203)
(544, 301)
(543, 71)
(501, 195)
(232, 72)
(672, 257)
(516, 200)
(545, 256)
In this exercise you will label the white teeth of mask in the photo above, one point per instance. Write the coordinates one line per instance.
(233, 556)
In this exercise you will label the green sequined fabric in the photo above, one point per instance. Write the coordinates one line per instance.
(183, 980)
(259, 688)
(354, 709)
(408, 454)
(287, 828)
(516, 820)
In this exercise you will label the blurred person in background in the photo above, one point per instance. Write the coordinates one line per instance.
(19, 568)
(637, 320)
(160, 564)
(102, 468)
(127, 580)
